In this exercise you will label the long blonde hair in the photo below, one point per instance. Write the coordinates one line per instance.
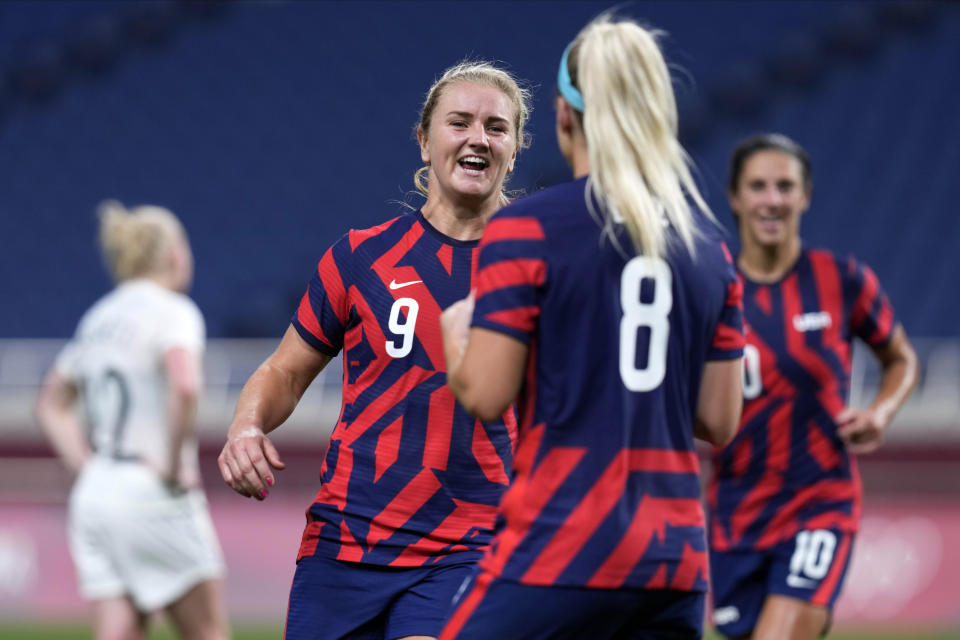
(485, 73)
(638, 169)
(134, 241)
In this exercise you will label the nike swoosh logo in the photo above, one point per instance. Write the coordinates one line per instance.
(394, 285)
(800, 583)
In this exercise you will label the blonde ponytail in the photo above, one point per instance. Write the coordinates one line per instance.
(134, 241)
(638, 169)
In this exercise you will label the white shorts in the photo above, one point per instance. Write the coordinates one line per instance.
(130, 536)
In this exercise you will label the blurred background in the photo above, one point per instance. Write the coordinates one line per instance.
(272, 127)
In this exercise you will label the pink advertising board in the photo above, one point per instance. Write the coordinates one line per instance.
(905, 571)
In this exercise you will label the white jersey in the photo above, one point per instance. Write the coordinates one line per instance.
(116, 359)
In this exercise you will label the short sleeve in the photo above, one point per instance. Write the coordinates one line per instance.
(871, 315)
(728, 338)
(510, 270)
(67, 362)
(182, 328)
(321, 317)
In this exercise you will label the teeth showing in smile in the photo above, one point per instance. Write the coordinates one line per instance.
(473, 163)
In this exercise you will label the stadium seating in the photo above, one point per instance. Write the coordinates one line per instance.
(273, 128)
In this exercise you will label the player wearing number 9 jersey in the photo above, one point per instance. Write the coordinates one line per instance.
(785, 495)
(140, 533)
(410, 481)
(611, 311)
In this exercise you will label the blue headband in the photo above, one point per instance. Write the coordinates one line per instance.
(567, 90)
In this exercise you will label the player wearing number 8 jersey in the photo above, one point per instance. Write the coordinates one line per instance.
(140, 533)
(410, 481)
(612, 309)
(785, 495)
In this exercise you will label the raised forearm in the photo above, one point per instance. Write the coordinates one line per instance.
(273, 391)
(266, 401)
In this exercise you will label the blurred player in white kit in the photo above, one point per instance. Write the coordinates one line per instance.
(118, 407)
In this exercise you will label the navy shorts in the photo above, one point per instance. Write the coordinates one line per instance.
(810, 566)
(495, 608)
(334, 599)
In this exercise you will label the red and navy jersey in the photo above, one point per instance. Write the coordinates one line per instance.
(606, 490)
(409, 478)
(787, 469)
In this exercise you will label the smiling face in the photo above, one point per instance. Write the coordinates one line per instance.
(769, 199)
(470, 145)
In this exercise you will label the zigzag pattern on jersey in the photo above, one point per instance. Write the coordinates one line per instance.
(787, 469)
(582, 550)
(409, 477)
(510, 274)
(586, 515)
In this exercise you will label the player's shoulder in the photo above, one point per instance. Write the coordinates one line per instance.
(184, 304)
(847, 265)
(356, 237)
(826, 255)
(178, 318)
(708, 229)
(540, 214)
(93, 314)
(138, 300)
(710, 244)
(548, 199)
(161, 296)
(166, 306)
(118, 301)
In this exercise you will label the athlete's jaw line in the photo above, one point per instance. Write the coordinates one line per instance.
(770, 222)
(481, 184)
(773, 224)
(469, 146)
(770, 199)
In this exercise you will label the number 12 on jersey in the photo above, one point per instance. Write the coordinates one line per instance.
(652, 315)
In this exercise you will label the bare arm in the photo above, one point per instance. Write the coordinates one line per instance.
(863, 429)
(484, 368)
(183, 376)
(720, 402)
(56, 412)
(269, 397)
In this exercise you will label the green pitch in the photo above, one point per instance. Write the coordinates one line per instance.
(82, 632)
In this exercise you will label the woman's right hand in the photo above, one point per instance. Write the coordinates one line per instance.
(248, 461)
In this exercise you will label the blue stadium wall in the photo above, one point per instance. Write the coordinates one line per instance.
(273, 127)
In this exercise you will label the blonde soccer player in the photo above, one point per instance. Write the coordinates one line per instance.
(410, 482)
(119, 408)
(608, 307)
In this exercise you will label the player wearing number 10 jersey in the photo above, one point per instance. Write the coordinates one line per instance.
(785, 495)
(618, 344)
